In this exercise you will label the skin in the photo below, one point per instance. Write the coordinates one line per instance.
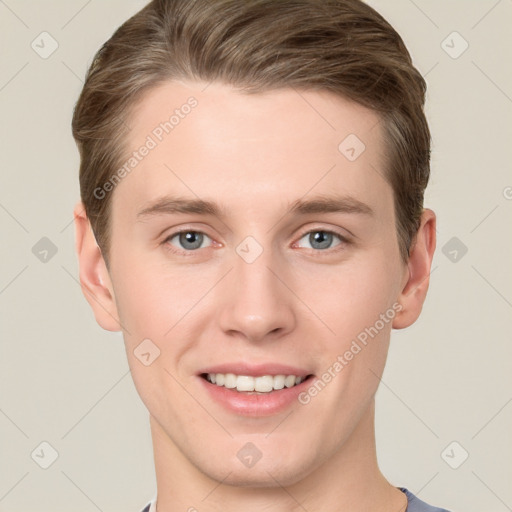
(295, 304)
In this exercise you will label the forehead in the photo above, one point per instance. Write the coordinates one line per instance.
(212, 140)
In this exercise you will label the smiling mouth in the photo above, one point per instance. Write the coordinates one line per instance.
(254, 385)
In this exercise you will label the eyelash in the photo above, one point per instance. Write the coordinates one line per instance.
(343, 241)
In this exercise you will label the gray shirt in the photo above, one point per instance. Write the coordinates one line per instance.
(414, 504)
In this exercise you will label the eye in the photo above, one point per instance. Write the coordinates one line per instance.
(321, 240)
(189, 240)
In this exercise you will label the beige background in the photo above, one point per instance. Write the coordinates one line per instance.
(65, 381)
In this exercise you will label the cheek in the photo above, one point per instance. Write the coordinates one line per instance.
(168, 305)
(356, 304)
(348, 298)
(156, 301)
(144, 302)
(153, 304)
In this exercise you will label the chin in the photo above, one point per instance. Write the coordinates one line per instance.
(265, 473)
(258, 479)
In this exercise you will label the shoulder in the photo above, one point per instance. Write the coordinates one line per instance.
(417, 505)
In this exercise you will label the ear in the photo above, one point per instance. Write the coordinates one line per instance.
(417, 272)
(94, 277)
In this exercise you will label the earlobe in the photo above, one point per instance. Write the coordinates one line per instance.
(93, 273)
(416, 282)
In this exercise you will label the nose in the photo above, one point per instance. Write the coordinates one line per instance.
(256, 303)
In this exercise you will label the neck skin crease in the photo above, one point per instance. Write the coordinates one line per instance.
(349, 481)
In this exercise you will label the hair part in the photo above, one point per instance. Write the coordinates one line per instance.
(341, 46)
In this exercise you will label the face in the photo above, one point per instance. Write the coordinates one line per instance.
(254, 239)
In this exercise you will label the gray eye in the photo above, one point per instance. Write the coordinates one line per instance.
(320, 240)
(189, 240)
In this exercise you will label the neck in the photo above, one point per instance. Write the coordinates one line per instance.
(349, 480)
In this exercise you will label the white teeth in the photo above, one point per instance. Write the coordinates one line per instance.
(230, 380)
(244, 383)
(264, 384)
(247, 383)
(289, 381)
(279, 381)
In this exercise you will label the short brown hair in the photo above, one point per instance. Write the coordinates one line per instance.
(341, 46)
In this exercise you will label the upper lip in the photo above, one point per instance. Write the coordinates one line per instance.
(256, 370)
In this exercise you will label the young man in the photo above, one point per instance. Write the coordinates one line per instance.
(252, 178)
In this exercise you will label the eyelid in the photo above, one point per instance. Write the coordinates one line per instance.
(344, 238)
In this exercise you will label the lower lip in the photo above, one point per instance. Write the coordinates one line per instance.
(263, 404)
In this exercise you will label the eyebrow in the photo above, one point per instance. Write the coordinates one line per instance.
(317, 205)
